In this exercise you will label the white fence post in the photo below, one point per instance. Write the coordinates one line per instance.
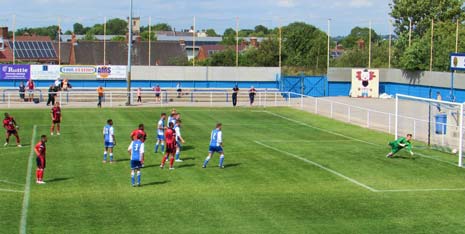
(302, 102)
(331, 110)
(368, 119)
(111, 99)
(389, 122)
(275, 99)
(289, 99)
(211, 99)
(9, 99)
(348, 114)
(260, 99)
(316, 105)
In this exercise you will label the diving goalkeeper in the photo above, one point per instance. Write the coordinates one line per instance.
(397, 145)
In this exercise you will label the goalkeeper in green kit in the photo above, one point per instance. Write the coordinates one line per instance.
(397, 145)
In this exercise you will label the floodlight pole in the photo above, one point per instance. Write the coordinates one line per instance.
(14, 39)
(128, 103)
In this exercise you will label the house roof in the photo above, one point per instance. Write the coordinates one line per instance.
(65, 50)
(90, 52)
(32, 38)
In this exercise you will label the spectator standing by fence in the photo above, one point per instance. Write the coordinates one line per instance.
(139, 95)
(439, 98)
(178, 89)
(30, 90)
(252, 92)
(234, 95)
(51, 95)
(100, 96)
(22, 90)
(157, 91)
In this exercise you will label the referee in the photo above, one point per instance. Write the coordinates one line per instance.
(234, 95)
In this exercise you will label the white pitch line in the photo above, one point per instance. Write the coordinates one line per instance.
(348, 137)
(308, 141)
(421, 190)
(11, 190)
(320, 166)
(8, 182)
(27, 186)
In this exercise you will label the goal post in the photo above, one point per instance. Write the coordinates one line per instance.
(436, 124)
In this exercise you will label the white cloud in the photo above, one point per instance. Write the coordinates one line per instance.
(286, 3)
(361, 3)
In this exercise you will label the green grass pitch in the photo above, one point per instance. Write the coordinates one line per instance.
(286, 171)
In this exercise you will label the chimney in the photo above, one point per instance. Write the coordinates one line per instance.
(127, 38)
(254, 42)
(72, 53)
(4, 32)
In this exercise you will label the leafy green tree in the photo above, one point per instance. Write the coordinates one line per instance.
(358, 33)
(118, 38)
(229, 37)
(117, 26)
(162, 27)
(89, 37)
(304, 45)
(145, 36)
(78, 29)
(211, 33)
(260, 29)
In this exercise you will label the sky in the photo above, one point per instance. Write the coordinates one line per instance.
(216, 14)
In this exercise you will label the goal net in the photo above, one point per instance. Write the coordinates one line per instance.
(435, 124)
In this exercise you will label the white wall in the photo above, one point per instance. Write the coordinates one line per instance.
(190, 73)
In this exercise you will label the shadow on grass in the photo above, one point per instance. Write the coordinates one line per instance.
(155, 183)
(188, 158)
(150, 166)
(187, 148)
(58, 179)
(122, 160)
(232, 165)
(403, 157)
(185, 165)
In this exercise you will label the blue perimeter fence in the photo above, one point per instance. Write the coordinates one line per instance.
(316, 86)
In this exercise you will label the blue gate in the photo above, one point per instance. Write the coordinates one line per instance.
(308, 85)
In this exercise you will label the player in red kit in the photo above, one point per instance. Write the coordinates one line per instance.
(139, 131)
(10, 126)
(40, 149)
(170, 139)
(56, 118)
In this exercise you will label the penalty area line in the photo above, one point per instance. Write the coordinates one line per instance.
(11, 190)
(27, 186)
(9, 182)
(349, 137)
(320, 166)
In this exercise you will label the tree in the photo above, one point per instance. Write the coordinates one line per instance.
(260, 29)
(358, 33)
(211, 33)
(162, 27)
(304, 45)
(420, 13)
(89, 37)
(78, 29)
(229, 37)
(50, 31)
(118, 38)
(145, 36)
(117, 26)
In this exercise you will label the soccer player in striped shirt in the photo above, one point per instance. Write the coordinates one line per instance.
(170, 138)
(9, 123)
(56, 118)
(161, 133)
(136, 151)
(109, 140)
(179, 140)
(216, 145)
(40, 149)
